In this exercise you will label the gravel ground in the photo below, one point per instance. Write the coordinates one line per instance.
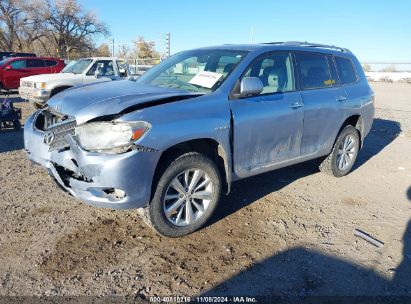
(288, 232)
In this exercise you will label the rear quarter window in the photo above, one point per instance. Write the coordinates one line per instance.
(346, 71)
(51, 63)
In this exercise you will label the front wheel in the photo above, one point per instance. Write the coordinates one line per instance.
(344, 153)
(186, 195)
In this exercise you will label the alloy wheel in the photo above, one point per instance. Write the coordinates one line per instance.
(346, 152)
(187, 197)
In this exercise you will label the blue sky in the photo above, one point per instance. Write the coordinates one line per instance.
(374, 30)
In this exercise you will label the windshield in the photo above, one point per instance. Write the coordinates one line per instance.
(4, 61)
(196, 71)
(77, 66)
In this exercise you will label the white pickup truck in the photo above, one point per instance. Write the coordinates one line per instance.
(39, 88)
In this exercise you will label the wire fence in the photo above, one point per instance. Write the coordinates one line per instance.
(140, 66)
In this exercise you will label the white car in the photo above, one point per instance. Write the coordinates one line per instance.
(39, 88)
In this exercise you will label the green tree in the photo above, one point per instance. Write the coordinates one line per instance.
(145, 49)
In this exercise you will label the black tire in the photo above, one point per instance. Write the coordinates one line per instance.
(154, 214)
(58, 90)
(330, 165)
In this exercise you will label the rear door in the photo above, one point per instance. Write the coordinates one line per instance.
(51, 65)
(12, 77)
(356, 93)
(268, 127)
(36, 66)
(322, 97)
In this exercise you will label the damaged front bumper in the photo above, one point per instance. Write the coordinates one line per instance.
(118, 181)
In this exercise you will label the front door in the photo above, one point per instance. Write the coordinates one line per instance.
(268, 127)
(12, 77)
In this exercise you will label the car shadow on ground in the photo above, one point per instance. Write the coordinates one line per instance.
(247, 191)
(11, 140)
(382, 133)
(13, 96)
(300, 275)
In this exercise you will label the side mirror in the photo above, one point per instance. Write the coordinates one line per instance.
(250, 86)
(8, 67)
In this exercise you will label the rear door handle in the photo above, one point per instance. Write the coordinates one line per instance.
(342, 98)
(296, 105)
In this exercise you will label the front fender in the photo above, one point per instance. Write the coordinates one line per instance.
(204, 117)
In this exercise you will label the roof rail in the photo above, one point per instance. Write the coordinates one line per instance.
(309, 44)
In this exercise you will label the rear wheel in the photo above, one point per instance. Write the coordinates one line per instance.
(344, 153)
(187, 193)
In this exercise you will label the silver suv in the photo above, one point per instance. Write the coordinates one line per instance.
(173, 141)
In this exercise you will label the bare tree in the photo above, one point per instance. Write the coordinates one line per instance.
(103, 50)
(123, 51)
(390, 68)
(70, 28)
(48, 27)
(11, 19)
(20, 24)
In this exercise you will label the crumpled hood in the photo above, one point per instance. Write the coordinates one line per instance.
(109, 98)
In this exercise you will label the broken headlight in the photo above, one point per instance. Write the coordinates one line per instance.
(110, 137)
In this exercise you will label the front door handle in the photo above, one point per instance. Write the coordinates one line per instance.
(342, 98)
(296, 105)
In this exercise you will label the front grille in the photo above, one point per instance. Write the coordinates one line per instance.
(55, 127)
(55, 134)
(27, 84)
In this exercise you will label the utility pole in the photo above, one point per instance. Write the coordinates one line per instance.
(252, 34)
(112, 47)
(168, 44)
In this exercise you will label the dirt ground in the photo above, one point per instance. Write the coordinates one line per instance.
(289, 232)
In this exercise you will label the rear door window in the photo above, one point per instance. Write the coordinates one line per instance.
(335, 81)
(313, 70)
(35, 63)
(346, 70)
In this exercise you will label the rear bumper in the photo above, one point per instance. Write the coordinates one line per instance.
(367, 115)
(117, 181)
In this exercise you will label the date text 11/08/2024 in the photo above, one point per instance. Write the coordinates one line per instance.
(182, 299)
